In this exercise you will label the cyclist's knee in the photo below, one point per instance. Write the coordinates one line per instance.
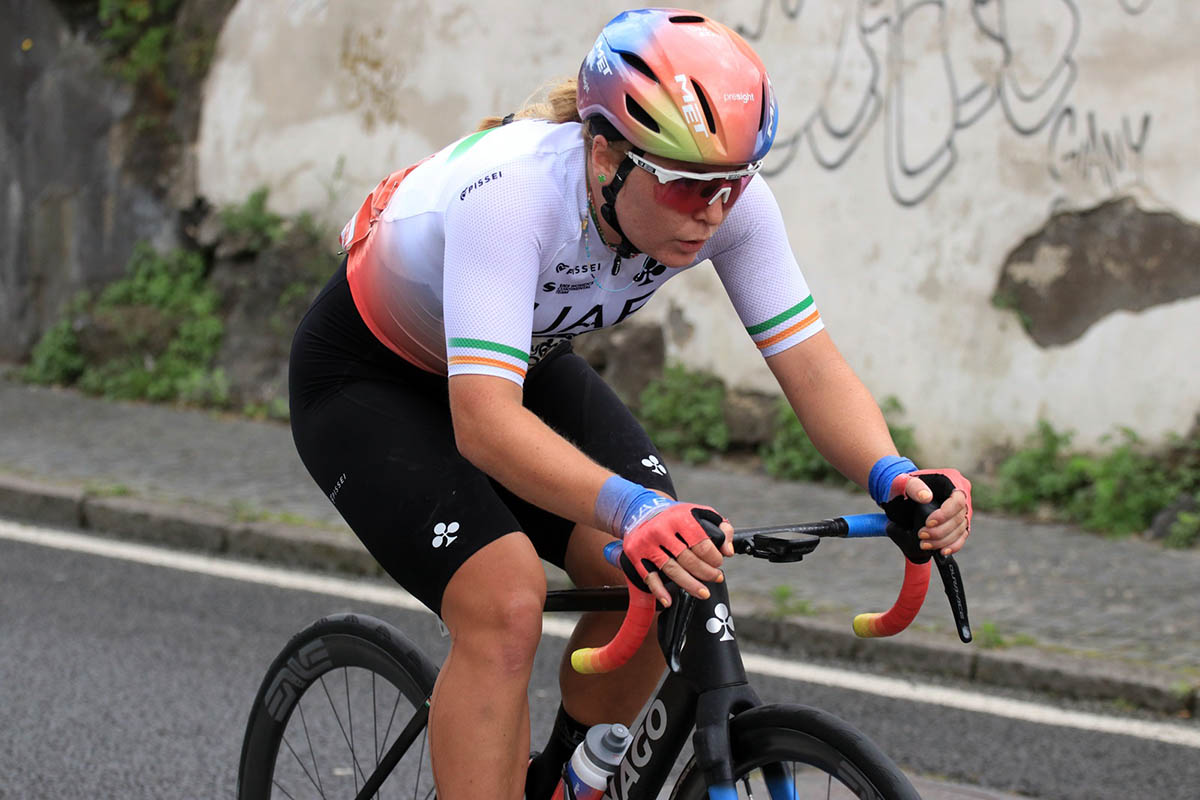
(503, 628)
(493, 605)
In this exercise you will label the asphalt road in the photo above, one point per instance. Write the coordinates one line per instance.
(122, 679)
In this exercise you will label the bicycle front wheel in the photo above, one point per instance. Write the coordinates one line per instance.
(344, 703)
(792, 752)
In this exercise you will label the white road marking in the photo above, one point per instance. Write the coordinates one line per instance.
(368, 592)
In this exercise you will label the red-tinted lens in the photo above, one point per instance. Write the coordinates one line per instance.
(689, 195)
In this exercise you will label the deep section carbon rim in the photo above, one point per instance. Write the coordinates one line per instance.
(347, 695)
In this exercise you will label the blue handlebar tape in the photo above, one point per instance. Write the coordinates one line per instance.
(863, 525)
(886, 470)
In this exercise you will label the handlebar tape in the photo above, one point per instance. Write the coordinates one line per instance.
(903, 611)
(591, 660)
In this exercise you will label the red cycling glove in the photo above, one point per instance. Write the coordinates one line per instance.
(666, 535)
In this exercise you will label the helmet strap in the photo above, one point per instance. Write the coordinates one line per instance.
(609, 211)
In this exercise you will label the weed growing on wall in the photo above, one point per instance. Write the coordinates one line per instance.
(139, 35)
(255, 224)
(152, 335)
(1117, 492)
(683, 411)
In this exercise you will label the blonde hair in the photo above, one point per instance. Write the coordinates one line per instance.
(553, 101)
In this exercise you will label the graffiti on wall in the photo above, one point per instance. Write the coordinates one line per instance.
(926, 70)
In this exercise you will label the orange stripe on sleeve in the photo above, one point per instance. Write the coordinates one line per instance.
(488, 362)
(799, 326)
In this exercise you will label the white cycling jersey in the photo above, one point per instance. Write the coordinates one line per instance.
(480, 257)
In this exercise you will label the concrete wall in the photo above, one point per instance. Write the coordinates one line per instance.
(936, 162)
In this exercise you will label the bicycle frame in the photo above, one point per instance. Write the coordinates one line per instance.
(705, 684)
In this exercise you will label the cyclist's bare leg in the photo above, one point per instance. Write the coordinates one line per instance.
(479, 716)
(616, 696)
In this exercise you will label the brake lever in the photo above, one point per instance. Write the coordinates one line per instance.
(955, 593)
(952, 582)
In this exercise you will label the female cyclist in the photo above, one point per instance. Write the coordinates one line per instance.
(436, 401)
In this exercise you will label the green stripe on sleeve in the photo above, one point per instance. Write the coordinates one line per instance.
(483, 344)
(778, 318)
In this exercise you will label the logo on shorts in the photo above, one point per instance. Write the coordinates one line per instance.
(721, 622)
(654, 465)
(441, 534)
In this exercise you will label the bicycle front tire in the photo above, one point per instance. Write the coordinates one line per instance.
(794, 752)
(331, 708)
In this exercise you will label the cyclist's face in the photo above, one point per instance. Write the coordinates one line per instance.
(671, 222)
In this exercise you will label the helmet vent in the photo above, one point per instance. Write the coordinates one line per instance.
(762, 106)
(637, 63)
(640, 114)
(685, 18)
(702, 97)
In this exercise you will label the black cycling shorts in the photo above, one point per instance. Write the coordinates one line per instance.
(375, 433)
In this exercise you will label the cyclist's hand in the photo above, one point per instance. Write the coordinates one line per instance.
(673, 541)
(946, 529)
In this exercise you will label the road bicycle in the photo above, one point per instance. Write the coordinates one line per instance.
(342, 711)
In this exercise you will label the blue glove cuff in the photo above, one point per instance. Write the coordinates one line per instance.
(886, 470)
(622, 505)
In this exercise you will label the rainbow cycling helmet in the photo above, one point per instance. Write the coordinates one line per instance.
(677, 84)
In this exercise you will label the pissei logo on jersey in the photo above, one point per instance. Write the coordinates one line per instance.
(577, 269)
(486, 179)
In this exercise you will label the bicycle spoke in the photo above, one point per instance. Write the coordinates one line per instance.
(303, 768)
(285, 791)
(316, 766)
(391, 720)
(350, 724)
(337, 717)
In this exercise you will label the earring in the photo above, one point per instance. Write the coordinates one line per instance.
(601, 177)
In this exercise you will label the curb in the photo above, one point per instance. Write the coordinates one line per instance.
(197, 528)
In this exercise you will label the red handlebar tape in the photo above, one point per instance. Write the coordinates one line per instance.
(591, 660)
(904, 611)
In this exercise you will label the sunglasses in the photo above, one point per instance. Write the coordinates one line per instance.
(690, 192)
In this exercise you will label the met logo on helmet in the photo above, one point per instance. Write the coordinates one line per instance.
(601, 60)
(691, 109)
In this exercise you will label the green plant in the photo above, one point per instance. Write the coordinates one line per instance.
(1040, 472)
(162, 331)
(1117, 492)
(253, 220)
(1125, 489)
(989, 637)
(1184, 532)
(96, 489)
(786, 604)
(139, 36)
(791, 455)
(683, 411)
(56, 357)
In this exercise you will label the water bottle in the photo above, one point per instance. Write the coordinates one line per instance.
(586, 775)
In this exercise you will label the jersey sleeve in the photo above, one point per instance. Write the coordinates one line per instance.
(495, 236)
(756, 266)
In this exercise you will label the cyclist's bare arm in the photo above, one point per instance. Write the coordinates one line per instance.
(496, 433)
(847, 427)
